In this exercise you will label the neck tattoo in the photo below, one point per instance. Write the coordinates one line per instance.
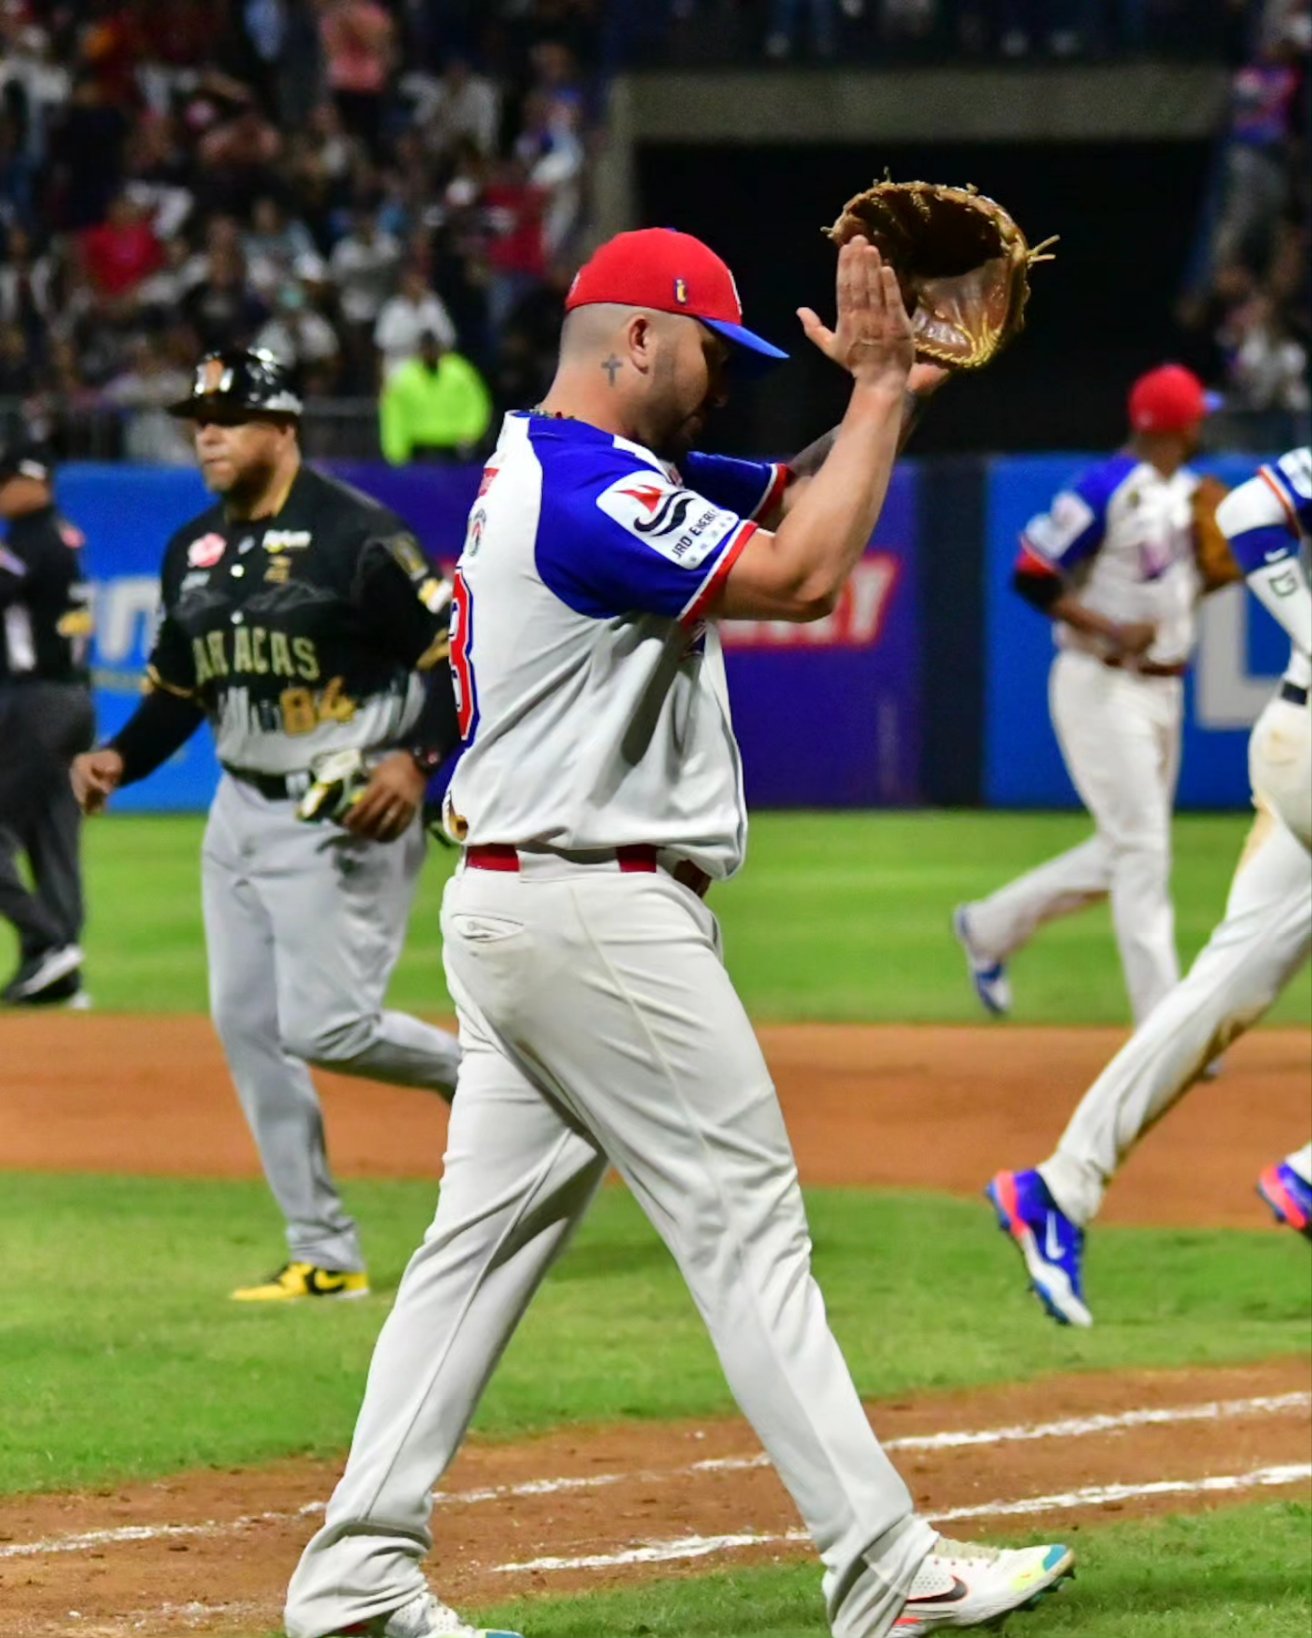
(611, 366)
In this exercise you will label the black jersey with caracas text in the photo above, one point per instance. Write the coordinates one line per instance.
(302, 632)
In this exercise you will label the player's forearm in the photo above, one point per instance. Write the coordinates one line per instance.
(807, 462)
(1071, 612)
(1282, 590)
(160, 725)
(827, 527)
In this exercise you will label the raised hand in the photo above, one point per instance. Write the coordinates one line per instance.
(871, 338)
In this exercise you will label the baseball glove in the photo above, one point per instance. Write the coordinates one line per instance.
(340, 778)
(962, 264)
(1216, 562)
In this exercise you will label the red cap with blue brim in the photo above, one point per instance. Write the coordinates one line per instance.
(1170, 399)
(671, 272)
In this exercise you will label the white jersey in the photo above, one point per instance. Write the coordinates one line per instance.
(591, 687)
(1123, 535)
(1267, 521)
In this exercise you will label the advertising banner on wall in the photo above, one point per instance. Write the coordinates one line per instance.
(1241, 653)
(827, 714)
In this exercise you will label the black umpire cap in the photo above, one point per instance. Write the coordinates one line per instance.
(25, 460)
(239, 384)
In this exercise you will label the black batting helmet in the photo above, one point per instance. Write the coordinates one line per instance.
(239, 384)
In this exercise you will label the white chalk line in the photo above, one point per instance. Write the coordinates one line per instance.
(689, 1547)
(1067, 1428)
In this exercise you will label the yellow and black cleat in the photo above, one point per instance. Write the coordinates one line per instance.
(297, 1281)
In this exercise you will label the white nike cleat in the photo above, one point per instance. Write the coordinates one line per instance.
(962, 1585)
(424, 1616)
(989, 976)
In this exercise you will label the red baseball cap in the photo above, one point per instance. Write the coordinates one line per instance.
(670, 273)
(1169, 399)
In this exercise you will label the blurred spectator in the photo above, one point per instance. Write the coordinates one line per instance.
(457, 106)
(303, 339)
(148, 384)
(17, 377)
(26, 283)
(359, 42)
(435, 407)
(223, 309)
(553, 156)
(1267, 366)
(17, 175)
(86, 155)
(517, 252)
(122, 251)
(785, 15)
(278, 248)
(405, 318)
(238, 158)
(1262, 126)
(364, 266)
(41, 84)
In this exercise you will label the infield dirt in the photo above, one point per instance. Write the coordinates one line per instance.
(894, 1107)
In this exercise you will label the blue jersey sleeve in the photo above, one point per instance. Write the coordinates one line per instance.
(1072, 529)
(750, 488)
(619, 537)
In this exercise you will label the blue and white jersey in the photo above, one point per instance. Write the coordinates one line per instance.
(1123, 536)
(1268, 522)
(590, 684)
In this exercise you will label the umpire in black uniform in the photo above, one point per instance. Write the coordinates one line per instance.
(46, 719)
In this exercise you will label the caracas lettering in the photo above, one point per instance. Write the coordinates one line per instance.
(251, 651)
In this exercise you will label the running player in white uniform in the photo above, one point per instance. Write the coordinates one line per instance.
(1262, 942)
(1112, 563)
(599, 796)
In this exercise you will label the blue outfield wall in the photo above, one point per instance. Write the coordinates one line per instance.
(1241, 654)
(829, 715)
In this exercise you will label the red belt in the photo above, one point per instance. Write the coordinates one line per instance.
(639, 859)
(1145, 668)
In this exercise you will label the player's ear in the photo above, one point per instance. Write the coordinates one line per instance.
(643, 339)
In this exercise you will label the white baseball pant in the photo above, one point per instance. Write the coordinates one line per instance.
(600, 1026)
(1120, 737)
(1261, 943)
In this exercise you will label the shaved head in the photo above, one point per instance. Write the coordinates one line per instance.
(653, 375)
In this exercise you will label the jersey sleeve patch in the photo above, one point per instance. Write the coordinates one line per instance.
(616, 538)
(678, 523)
(1066, 534)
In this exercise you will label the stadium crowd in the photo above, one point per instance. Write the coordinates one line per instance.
(353, 184)
(1247, 307)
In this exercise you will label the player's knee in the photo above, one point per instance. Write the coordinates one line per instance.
(329, 1043)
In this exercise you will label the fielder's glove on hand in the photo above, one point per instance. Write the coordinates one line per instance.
(340, 778)
(962, 264)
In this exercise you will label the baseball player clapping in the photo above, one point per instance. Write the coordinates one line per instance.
(599, 798)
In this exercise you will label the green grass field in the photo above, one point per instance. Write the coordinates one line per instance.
(112, 1289)
(837, 916)
(1243, 1573)
(922, 1292)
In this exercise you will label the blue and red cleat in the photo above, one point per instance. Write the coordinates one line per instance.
(1050, 1243)
(1288, 1195)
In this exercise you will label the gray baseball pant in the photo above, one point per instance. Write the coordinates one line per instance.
(303, 925)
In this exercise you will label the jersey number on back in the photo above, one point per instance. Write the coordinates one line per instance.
(462, 639)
